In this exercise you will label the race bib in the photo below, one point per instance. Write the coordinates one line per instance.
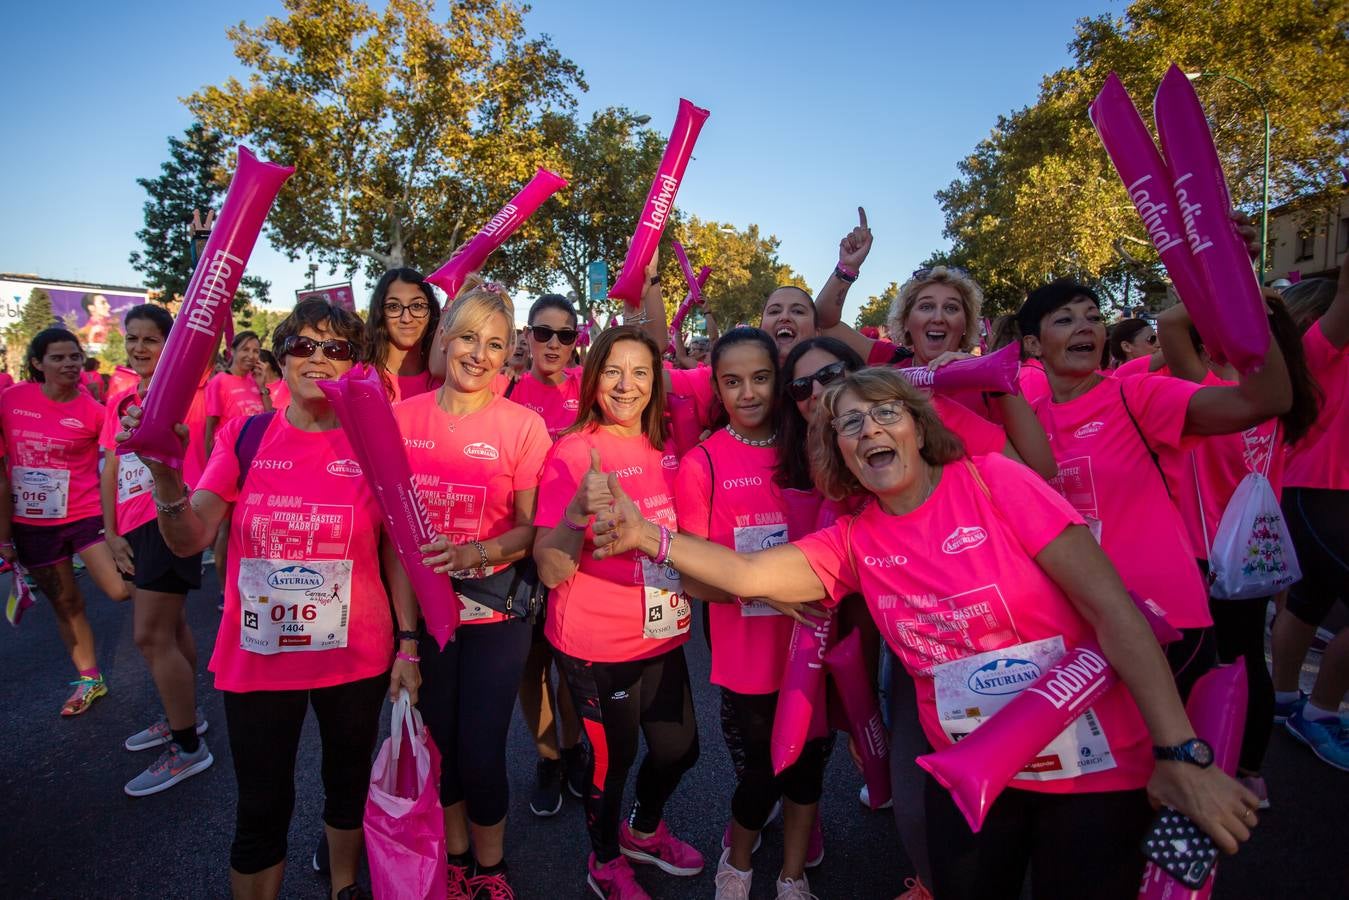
(288, 606)
(752, 539)
(40, 493)
(133, 478)
(971, 689)
(668, 613)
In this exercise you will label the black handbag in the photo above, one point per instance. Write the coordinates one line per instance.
(514, 590)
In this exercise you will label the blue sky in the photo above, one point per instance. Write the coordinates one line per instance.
(816, 108)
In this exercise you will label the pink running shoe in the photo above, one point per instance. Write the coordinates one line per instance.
(915, 890)
(615, 880)
(662, 849)
(456, 883)
(490, 887)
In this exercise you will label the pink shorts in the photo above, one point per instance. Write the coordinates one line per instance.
(40, 546)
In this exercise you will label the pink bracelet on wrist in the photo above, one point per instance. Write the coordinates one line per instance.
(846, 270)
(663, 551)
(570, 525)
(407, 657)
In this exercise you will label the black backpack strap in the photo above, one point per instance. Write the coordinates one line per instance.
(510, 387)
(249, 439)
(1156, 461)
(900, 355)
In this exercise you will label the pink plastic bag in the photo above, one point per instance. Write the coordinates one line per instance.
(659, 203)
(21, 597)
(991, 372)
(362, 406)
(1203, 201)
(450, 277)
(976, 769)
(404, 823)
(1217, 710)
(858, 695)
(1148, 181)
(206, 308)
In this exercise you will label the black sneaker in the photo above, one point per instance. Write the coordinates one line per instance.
(352, 892)
(577, 761)
(320, 858)
(548, 795)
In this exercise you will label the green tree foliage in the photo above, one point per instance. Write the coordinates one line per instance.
(745, 269)
(407, 131)
(1038, 198)
(35, 316)
(113, 353)
(876, 310)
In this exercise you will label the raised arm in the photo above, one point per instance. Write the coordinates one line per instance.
(651, 317)
(781, 573)
(1335, 323)
(1262, 395)
(1025, 435)
(852, 252)
(1173, 333)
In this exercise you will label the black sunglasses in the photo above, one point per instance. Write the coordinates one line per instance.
(543, 334)
(801, 388)
(304, 348)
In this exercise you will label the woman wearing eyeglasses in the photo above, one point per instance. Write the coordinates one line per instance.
(399, 328)
(306, 620)
(984, 563)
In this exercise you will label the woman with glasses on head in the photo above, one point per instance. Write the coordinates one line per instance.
(306, 621)
(476, 459)
(400, 327)
(1014, 586)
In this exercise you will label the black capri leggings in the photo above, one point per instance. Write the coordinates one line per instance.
(747, 725)
(264, 732)
(616, 701)
(1318, 523)
(466, 699)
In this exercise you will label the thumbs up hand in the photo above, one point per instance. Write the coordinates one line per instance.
(620, 527)
(592, 494)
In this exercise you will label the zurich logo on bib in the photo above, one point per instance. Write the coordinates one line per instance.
(295, 578)
(1003, 676)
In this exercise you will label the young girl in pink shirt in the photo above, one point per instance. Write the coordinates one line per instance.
(964, 563)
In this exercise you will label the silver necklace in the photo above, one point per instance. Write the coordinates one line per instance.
(766, 442)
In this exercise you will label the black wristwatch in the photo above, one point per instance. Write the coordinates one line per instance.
(1195, 751)
(408, 636)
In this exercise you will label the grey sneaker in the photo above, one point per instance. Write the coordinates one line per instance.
(158, 734)
(172, 767)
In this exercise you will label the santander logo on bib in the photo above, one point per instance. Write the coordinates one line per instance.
(346, 468)
(965, 537)
(1088, 429)
(71, 422)
(481, 450)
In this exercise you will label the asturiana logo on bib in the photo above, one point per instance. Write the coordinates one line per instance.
(295, 578)
(776, 539)
(1003, 676)
(1088, 429)
(36, 479)
(885, 562)
(481, 450)
(965, 537)
(71, 422)
(347, 468)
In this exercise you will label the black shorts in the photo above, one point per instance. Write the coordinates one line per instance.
(40, 546)
(157, 569)
(1318, 523)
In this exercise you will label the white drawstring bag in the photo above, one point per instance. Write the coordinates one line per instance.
(1252, 554)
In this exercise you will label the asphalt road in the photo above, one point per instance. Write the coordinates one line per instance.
(68, 831)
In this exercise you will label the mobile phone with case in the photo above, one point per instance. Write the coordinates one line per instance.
(1180, 848)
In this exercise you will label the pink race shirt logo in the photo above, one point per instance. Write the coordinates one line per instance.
(964, 538)
(71, 422)
(28, 413)
(481, 450)
(1088, 429)
(885, 562)
(571, 405)
(418, 444)
(669, 462)
(345, 468)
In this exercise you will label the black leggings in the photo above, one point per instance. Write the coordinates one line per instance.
(1194, 654)
(264, 732)
(616, 702)
(466, 699)
(1318, 523)
(747, 725)
(1076, 845)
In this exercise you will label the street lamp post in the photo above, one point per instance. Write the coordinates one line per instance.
(1264, 203)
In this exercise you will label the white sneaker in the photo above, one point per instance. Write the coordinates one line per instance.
(731, 883)
(795, 889)
(865, 796)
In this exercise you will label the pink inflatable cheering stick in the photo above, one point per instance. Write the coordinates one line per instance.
(693, 298)
(1217, 710)
(856, 690)
(991, 372)
(976, 769)
(362, 407)
(450, 277)
(1148, 182)
(802, 692)
(659, 202)
(206, 308)
(1204, 205)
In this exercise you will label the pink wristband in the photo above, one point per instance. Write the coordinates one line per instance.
(408, 657)
(569, 524)
(846, 270)
(663, 551)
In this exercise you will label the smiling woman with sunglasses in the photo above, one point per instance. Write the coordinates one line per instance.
(400, 327)
(550, 386)
(306, 620)
(965, 563)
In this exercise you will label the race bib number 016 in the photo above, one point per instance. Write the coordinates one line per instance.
(289, 606)
(40, 493)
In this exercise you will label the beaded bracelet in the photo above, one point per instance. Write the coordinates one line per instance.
(175, 507)
(482, 556)
(407, 657)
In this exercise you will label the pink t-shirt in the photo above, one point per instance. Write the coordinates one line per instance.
(599, 614)
(134, 503)
(1139, 365)
(1203, 480)
(882, 353)
(468, 470)
(557, 403)
(1321, 458)
(1032, 381)
(228, 396)
(958, 577)
(1105, 472)
(195, 462)
(725, 492)
(52, 451)
(696, 386)
(122, 378)
(405, 387)
(280, 392)
(979, 435)
(6, 381)
(305, 508)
